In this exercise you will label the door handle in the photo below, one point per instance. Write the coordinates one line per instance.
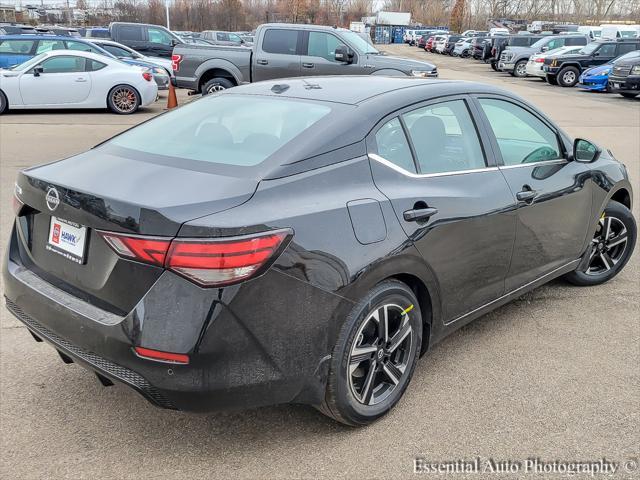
(80, 79)
(526, 196)
(418, 214)
(308, 65)
(262, 62)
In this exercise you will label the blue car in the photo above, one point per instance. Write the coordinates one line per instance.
(16, 49)
(596, 79)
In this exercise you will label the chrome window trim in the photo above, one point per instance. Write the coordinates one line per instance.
(535, 164)
(401, 170)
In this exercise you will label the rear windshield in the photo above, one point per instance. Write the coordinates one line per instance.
(228, 129)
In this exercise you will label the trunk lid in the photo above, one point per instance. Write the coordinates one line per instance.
(105, 190)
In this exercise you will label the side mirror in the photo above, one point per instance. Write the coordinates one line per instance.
(174, 42)
(343, 54)
(37, 71)
(585, 151)
(544, 49)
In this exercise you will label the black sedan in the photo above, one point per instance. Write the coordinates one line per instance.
(306, 240)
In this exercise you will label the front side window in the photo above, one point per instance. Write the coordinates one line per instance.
(555, 43)
(444, 138)
(522, 137)
(392, 145)
(280, 41)
(607, 50)
(16, 46)
(221, 37)
(224, 129)
(48, 45)
(159, 36)
(323, 45)
(63, 65)
(117, 51)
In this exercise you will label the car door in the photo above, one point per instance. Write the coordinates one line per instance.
(552, 193)
(604, 54)
(449, 197)
(63, 81)
(278, 55)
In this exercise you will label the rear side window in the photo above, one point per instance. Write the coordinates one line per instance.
(16, 46)
(94, 65)
(225, 129)
(444, 138)
(130, 33)
(83, 47)
(627, 47)
(393, 146)
(280, 41)
(573, 41)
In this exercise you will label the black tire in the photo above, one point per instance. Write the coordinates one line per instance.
(494, 65)
(123, 99)
(4, 103)
(216, 85)
(568, 76)
(552, 79)
(347, 399)
(520, 69)
(624, 94)
(608, 256)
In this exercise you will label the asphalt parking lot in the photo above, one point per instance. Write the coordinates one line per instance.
(553, 375)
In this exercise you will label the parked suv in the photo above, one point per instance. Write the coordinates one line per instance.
(625, 76)
(514, 59)
(150, 40)
(565, 70)
(500, 43)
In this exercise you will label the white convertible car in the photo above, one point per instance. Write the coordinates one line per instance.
(75, 79)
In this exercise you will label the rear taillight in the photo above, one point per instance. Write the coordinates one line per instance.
(147, 76)
(539, 60)
(207, 262)
(175, 62)
(161, 356)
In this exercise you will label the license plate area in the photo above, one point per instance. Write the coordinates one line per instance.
(67, 239)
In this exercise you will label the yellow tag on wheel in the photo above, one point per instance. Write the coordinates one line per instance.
(408, 309)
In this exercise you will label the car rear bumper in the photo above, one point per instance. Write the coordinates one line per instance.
(535, 70)
(506, 66)
(625, 84)
(242, 352)
(551, 70)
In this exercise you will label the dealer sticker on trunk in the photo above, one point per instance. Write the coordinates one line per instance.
(67, 239)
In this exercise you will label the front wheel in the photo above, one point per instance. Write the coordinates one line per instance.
(4, 103)
(568, 76)
(628, 95)
(123, 99)
(520, 69)
(610, 248)
(375, 355)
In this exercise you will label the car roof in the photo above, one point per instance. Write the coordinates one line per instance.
(42, 36)
(77, 53)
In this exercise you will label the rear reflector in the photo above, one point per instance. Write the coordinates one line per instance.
(207, 262)
(147, 76)
(160, 356)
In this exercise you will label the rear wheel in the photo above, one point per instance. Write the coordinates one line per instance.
(4, 104)
(628, 95)
(375, 355)
(568, 76)
(123, 99)
(610, 248)
(216, 85)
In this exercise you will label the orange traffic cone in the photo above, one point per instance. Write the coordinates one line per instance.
(172, 101)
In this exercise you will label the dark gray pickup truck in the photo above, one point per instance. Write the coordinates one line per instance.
(283, 50)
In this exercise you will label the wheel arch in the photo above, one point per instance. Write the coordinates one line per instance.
(218, 68)
(423, 295)
(622, 195)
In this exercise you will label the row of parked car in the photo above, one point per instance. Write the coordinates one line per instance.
(567, 60)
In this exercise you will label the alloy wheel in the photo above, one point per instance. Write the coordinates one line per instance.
(124, 99)
(216, 87)
(521, 69)
(608, 245)
(380, 355)
(568, 77)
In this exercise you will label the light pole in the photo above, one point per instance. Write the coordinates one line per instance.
(166, 5)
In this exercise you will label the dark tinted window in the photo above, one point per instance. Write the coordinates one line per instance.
(573, 41)
(444, 138)
(117, 51)
(607, 50)
(393, 145)
(280, 41)
(519, 42)
(16, 46)
(83, 47)
(130, 33)
(627, 47)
